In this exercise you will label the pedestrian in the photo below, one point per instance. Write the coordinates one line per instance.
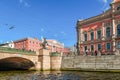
(95, 53)
(86, 52)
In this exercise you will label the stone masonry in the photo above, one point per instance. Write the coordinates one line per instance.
(109, 62)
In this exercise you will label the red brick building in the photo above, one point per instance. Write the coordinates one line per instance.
(66, 51)
(55, 46)
(101, 32)
(31, 44)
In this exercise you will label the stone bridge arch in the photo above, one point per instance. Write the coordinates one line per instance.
(19, 61)
(13, 63)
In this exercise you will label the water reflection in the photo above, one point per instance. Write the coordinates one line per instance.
(47, 75)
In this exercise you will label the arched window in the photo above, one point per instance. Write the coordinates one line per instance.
(108, 32)
(98, 34)
(85, 48)
(118, 30)
(118, 45)
(108, 46)
(85, 36)
(99, 46)
(92, 47)
(92, 35)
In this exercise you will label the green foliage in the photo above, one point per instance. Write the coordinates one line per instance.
(13, 50)
(55, 54)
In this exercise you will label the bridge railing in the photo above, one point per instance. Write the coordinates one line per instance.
(13, 50)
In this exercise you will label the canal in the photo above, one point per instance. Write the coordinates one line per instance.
(57, 75)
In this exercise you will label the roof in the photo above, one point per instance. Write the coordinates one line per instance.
(3, 44)
(26, 39)
(95, 18)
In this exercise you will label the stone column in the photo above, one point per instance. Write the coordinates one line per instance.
(103, 30)
(79, 35)
(95, 35)
(88, 35)
(113, 29)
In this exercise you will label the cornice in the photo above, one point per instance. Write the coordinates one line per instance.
(107, 14)
(101, 17)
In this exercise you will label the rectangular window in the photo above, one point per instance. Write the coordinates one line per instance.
(99, 34)
(99, 47)
(85, 37)
(92, 48)
(118, 45)
(118, 30)
(92, 35)
(85, 48)
(108, 46)
(108, 32)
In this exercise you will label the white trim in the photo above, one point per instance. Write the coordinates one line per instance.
(96, 22)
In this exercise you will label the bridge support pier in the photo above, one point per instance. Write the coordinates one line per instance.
(37, 65)
(44, 57)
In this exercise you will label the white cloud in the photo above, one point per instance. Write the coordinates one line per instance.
(63, 33)
(105, 4)
(21, 1)
(25, 3)
(42, 29)
(104, 1)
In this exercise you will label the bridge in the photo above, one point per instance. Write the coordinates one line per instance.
(16, 59)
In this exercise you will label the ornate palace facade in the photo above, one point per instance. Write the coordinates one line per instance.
(101, 32)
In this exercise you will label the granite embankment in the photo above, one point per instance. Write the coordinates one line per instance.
(91, 63)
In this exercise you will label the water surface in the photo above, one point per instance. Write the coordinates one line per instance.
(57, 75)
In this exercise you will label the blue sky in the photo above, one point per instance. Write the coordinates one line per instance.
(53, 19)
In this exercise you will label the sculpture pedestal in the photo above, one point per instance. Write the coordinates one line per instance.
(44, 57)
(44, 52)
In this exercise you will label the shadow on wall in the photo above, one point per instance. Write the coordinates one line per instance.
(15, 63)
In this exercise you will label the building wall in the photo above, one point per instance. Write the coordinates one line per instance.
(8, 45)
(32, 44)
(109, 19)
(66, 51)
(55, 46)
